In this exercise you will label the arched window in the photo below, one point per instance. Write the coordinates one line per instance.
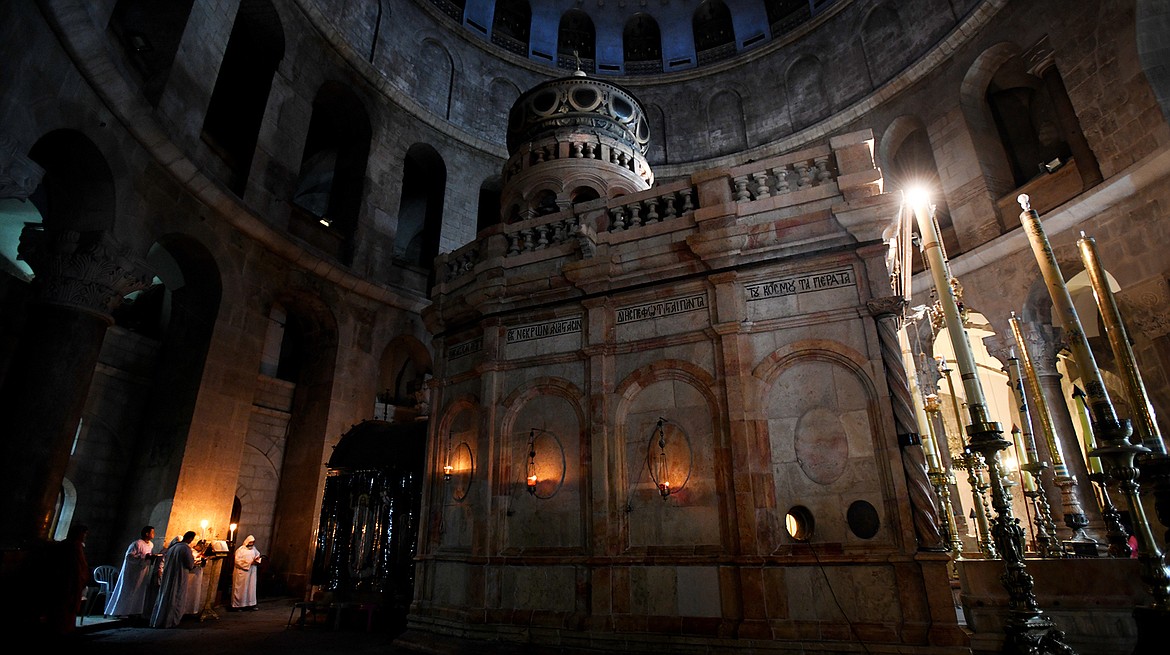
(783, 15)
(232, 124)
(714, 33)
(420, 211)
(489, 203)
(512, 25)
(328, 194)
(149, 32)
(576, 41)
(642, 45)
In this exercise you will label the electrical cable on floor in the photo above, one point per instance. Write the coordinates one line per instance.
(832, 593)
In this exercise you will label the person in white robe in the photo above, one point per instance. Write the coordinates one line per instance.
(244, 574)
(178, 562)
(130, 592)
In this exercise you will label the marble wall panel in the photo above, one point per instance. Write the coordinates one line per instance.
(698, 591)
(546, 588)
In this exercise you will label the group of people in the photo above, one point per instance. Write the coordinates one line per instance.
(134, 594)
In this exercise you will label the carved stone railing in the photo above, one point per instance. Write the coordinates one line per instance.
(540, 233)
(781, 175)
(651, 206)
(578, 146)
(462, 261)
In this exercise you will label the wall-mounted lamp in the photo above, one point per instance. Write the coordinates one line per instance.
(447, 468)
(531, 469)
(232, 532)
(659, 467)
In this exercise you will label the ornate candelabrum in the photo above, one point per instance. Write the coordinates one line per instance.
(940, 478)
(972, 462)
(1155, 465)
(1032, 395)
(1026, 628)
(1047, 542)
(1114, 448)
(1115, 535)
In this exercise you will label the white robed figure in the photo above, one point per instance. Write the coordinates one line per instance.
(244, 574)
(129, 596)
(178, 561)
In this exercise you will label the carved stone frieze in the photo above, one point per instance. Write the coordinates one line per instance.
(1146, 307)
(89, 271)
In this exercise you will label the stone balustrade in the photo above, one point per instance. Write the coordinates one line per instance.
(780, 175)
(577, 146)
(652, 206)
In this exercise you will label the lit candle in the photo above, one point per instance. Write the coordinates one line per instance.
(203, 524)
(232, 532)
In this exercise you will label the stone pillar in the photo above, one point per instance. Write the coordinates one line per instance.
(1043, 344)
(79, 278)
(925, 512)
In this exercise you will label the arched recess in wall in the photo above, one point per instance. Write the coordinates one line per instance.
(502, 94)
(726, 131)
(403, 371)
(1153, 24)
(77, 189)
(542, 434)
(784, 15)
(883, 38)
(420, 211)
(656, 150)
(149, 33)
(331, 182)
(307, 360)
(823, 422)
(642, 45)
(488, 209)
(459, 500)
(435, 77)
(1025, 130)
(172, 320)
(512, 25)
(576, 41)
(807, 100)
(713, 32)
(682, 394)
(908, 162)
(231, 126)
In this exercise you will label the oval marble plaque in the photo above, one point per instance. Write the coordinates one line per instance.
(822, 449)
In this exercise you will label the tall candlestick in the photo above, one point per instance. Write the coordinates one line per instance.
(1025, 626)
(1037, 398)
(1112, 434)
(1145, 424)
(1022, 457)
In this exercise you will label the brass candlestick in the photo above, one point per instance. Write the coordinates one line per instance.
(1026, 628)
(1113, 444)
(941, 479)
(973, 463)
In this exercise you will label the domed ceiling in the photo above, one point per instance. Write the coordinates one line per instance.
(631, 37)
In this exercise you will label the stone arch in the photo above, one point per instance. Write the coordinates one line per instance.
(489, 209)
(804, 85)
(980, 123)
(1153, 24)
(642, 45)
(330, 185)
(435, 77)
(713, 31)
(231, 126)
(543, 433)
(77, 191)
(883, 40)
(726, 128)
(403, 369)
(657, 151)
(684, 395)
(824, 432)
(149, 33)
(420, 210)
(502, 93)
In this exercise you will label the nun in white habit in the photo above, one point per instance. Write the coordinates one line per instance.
(244, 574)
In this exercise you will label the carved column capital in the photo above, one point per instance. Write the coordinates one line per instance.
(88, 271)
(19, 175)
(1044, 344)
(1000, 347)
(886, 307)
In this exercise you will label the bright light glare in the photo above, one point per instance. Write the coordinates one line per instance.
(917, 196)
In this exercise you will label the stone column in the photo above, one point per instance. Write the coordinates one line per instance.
(1043, 345)
(79, 278)
(925, 512)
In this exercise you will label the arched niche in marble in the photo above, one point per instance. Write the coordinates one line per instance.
(456, 443)
(544, 416)
(823, 424)
(682, 394)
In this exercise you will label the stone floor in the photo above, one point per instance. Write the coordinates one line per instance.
(264, 631)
